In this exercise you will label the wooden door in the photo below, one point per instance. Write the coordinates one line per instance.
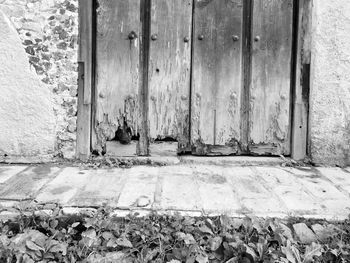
(117, 70)
(169, 70)
(270, 100)
(217, 77)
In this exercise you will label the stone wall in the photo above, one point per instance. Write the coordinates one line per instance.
(330, 89)
(48, 30)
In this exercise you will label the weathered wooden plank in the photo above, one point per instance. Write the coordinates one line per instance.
(301, 81)
(217, 75)
(117, 69)
(142, 148)
(271, 77)
(84, 79)
(169, 70)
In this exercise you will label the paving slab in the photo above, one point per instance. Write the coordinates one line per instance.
(139, 190)
(63, 188)
(191, 189)
(102, 187)
(26, 184)
(246, 183)
(339, 177)
(297, 200)
(216, 193)
(178, 190)
(6, 172)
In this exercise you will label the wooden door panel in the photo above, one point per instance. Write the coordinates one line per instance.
(217, 77)
(117, 68)
(271, 77)
(169, 70)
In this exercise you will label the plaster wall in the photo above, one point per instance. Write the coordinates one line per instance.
(330, 83)
(47, 36)
(26, 108)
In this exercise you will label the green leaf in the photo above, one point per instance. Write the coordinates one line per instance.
(201, 258)
(124, 242)
(311, 251)
(215, 243)
(205, 229)
(187, 238)
(74, 225)
(32, 246)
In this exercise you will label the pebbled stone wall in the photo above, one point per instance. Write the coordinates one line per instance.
(48, 30)
(330, 89)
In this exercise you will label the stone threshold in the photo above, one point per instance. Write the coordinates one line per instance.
(195, 189)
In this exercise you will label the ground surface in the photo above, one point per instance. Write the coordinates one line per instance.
(191, 188)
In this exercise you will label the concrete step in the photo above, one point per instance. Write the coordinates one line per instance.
(198, 189)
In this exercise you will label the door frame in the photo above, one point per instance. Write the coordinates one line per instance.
(300, 79)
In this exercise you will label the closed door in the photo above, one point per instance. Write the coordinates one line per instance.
(232, 114)
(218, 74)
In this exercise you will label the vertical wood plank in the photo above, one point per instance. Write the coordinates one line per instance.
(301, 81)
(117, 69)
(142, 148)
(169, 70)
(271, 77)
(85, 76)
(217, 75)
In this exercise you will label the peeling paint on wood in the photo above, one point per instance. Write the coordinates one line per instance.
(199, 148)
(117, 68)
(169, 70)
(217, 75)
(271, 75)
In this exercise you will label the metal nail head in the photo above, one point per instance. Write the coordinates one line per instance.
(154, 37)
(235, 38)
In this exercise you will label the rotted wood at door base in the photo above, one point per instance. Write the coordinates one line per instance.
(117, 71)
(144, 84)
(271, 77)
(217, 77)
(169, 70)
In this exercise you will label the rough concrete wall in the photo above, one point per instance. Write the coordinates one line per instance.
(330, 90)
(49, 33)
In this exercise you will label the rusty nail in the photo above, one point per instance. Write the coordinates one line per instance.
(201, 37)
(186, 39)
(257, 39)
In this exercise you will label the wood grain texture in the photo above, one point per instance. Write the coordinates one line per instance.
(142, 148)
(217, 74)
(85, 77)
(302, 81)
(271, 77)
(117, 68)
(169, 70)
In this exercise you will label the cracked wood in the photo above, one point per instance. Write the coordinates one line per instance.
(271, 77)
(169, 70)
(117, 68)
(217, 76)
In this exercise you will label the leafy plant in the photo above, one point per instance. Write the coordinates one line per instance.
(164, 238)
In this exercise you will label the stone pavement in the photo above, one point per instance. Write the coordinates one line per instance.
(193, 189)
